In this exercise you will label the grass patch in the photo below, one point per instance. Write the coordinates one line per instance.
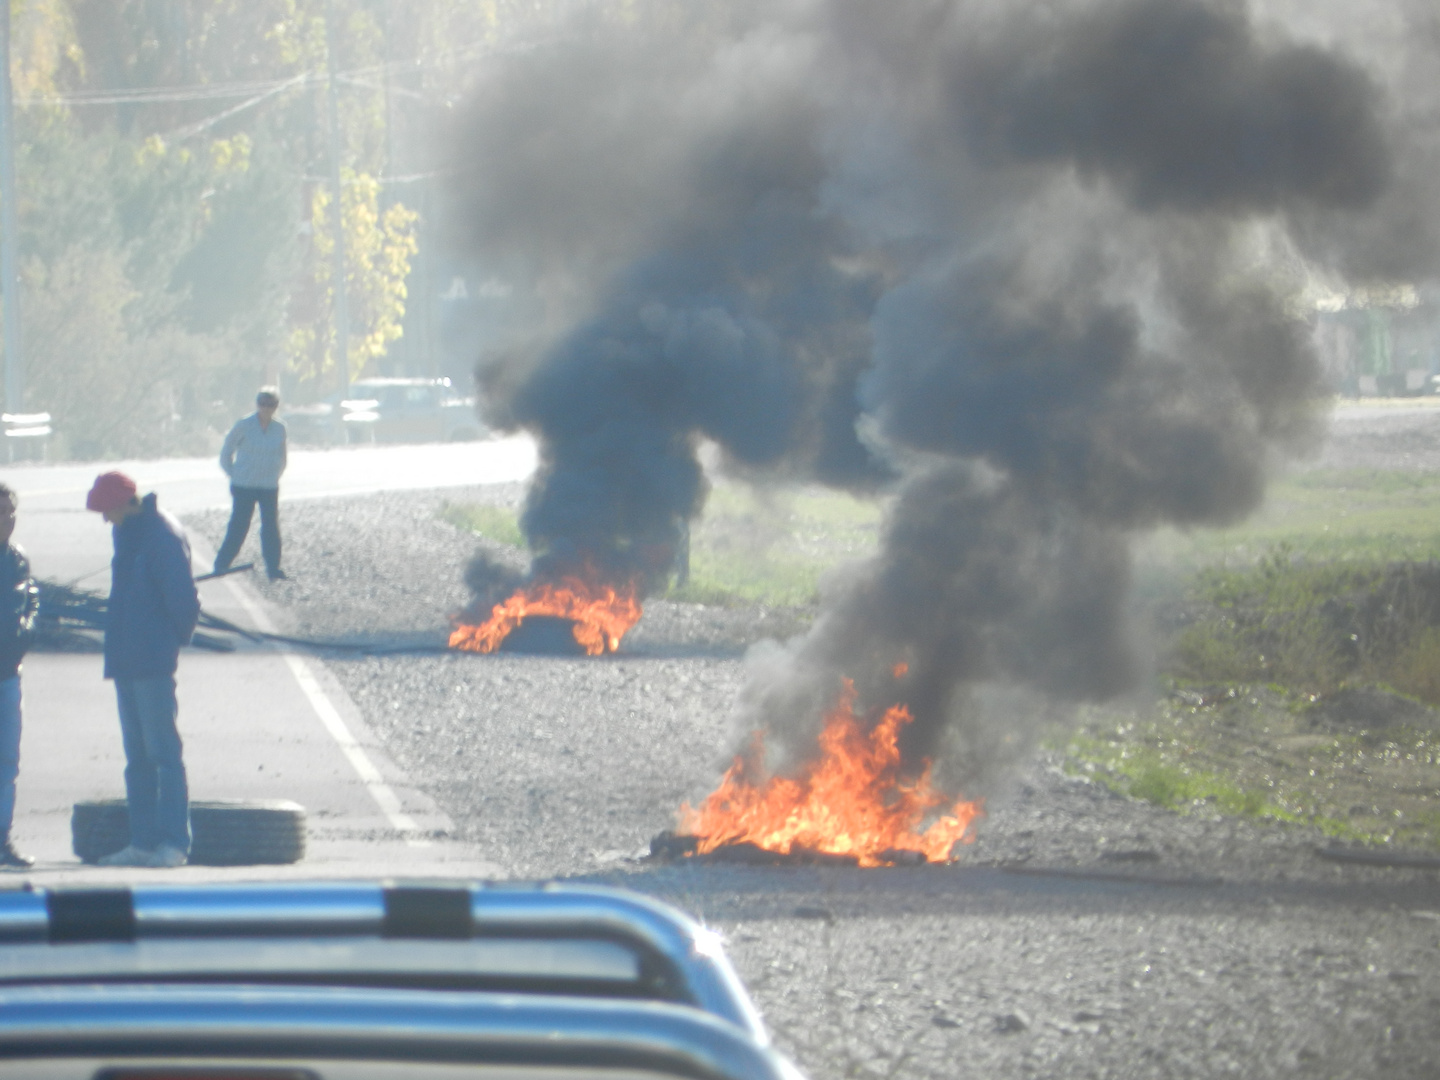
(1416, 670)
(697, 592)
(1320, 516)
(498, 523)
(1314, 627)
(750, 546)
(773, 547)
(1144, 773)
(1326, 586)
(1256, 752)
(1333, 584)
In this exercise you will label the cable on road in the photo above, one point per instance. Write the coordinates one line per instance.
(68, 614)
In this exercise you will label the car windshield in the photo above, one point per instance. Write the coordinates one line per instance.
(942, 494)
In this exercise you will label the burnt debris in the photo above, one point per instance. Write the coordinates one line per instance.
(670, 846)
(543, 635)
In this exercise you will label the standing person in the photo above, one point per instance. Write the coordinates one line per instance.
(21, 600)
(152, 611)
(254, 457)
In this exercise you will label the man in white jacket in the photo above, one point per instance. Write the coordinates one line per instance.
(254, 457)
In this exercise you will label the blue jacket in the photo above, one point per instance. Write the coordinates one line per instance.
(19, 601)
(153, 603)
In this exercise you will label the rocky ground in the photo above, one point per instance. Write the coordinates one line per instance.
(1083, 934)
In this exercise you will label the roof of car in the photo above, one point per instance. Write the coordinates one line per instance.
(555, 975)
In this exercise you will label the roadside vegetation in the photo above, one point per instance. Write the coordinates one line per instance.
(499, 524)
(1298, 671)
(751, 546)
(1335, 585)
(1299, 666)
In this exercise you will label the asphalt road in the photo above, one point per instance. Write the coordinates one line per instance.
(257, 724)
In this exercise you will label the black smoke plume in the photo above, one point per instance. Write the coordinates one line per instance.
(1036, 270)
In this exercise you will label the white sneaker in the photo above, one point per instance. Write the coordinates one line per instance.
(167, 856)
(129, 855)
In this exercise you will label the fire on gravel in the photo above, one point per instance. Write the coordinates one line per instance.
(850, 804)
(598, 615)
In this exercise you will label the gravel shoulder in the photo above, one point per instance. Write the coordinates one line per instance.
(1082, 934)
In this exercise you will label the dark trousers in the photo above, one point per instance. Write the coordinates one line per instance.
(241, 512)
(157, 795)
(9, 750)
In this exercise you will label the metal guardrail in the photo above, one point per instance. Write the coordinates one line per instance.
(25, 435)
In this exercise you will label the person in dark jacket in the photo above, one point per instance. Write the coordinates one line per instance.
(152, 612)
(19, 601)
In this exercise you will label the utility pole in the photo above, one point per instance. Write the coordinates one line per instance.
(9, 232)
(342, 301)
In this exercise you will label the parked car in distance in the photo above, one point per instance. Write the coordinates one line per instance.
(388, 410)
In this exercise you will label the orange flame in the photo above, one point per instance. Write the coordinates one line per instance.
(849, 802)
(601, 614)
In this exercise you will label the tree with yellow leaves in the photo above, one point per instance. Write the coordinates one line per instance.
(378, 247)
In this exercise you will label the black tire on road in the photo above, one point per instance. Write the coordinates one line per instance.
(223, 832)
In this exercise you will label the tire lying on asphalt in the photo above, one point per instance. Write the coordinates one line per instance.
(223, 832)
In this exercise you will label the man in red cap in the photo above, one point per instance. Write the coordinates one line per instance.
(152, 612)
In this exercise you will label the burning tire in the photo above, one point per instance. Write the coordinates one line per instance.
(225, 832)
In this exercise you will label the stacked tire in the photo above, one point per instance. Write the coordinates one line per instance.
(223, 832)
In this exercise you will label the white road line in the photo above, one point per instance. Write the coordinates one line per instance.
(335, 724)
(380, 791)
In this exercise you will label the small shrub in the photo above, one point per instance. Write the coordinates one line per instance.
(1252, 803)
(498, 523)
(702, 592)
(1416, 671)
(1211, 651)
(1159, 785)
(1314, 626)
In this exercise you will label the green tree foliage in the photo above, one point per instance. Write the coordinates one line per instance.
(103, 225)
(176, 244)
(379, 245)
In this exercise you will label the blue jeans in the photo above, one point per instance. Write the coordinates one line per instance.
(159, 801)
(242, 509)
(9, 750)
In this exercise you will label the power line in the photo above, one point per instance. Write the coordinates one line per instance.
(196, 128)
(401, 91)
(403, 178)
(158, 95)
(155, 95)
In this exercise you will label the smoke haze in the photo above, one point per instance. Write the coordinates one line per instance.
(1049, 259)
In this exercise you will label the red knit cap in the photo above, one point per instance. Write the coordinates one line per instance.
(112, 490)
